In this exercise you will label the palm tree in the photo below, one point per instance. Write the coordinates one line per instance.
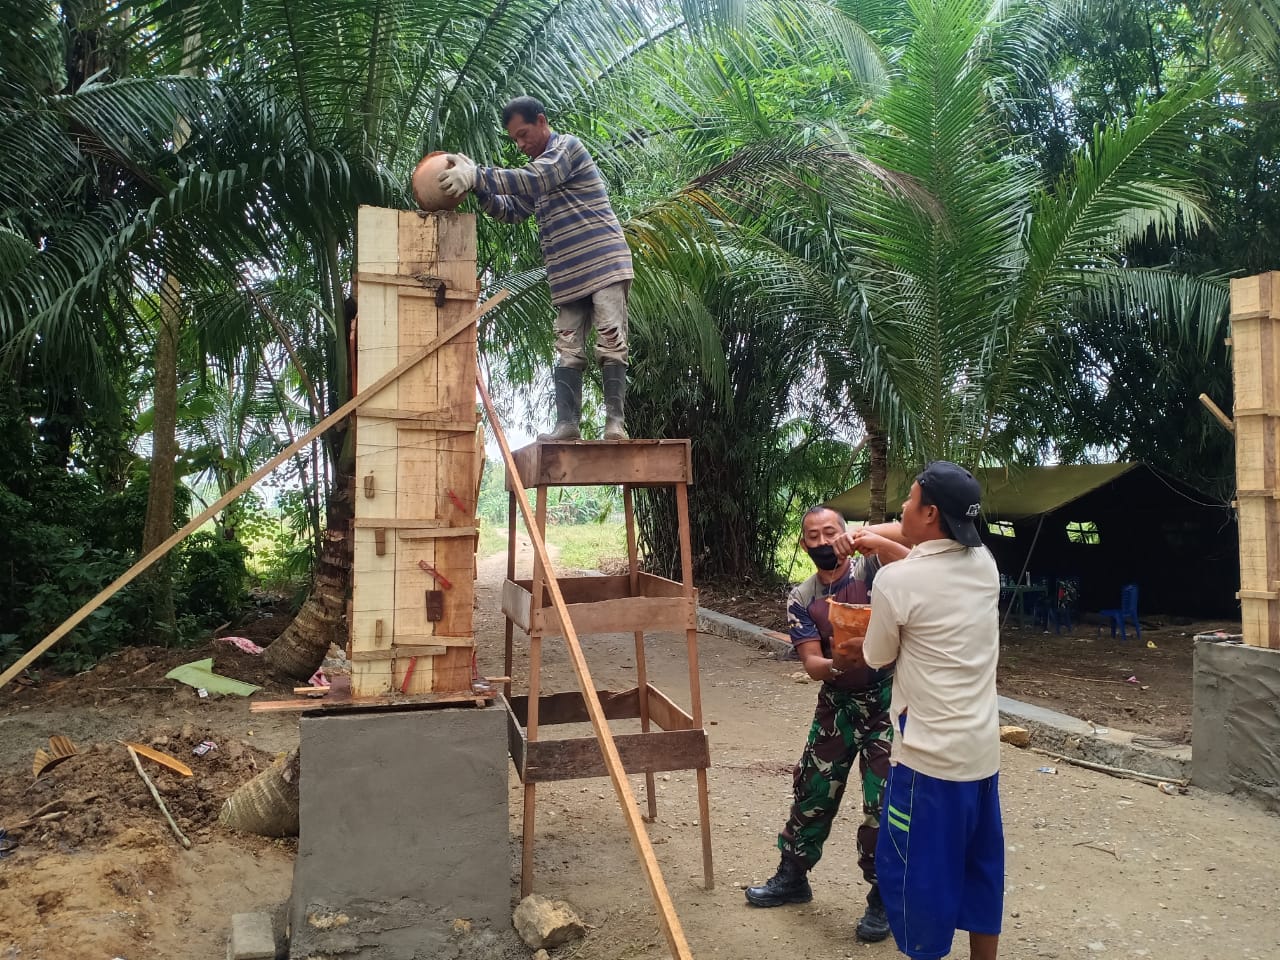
(957, 313)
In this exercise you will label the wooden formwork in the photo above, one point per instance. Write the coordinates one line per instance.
(1255, 342)
(418, 456)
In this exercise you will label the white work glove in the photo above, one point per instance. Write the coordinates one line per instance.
(460, 177)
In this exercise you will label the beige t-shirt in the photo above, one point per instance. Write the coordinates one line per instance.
(936, 612)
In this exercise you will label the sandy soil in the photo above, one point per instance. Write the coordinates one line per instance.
(1097, 867)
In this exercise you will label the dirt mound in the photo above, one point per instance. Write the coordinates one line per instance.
(137, 675)
(99, 794)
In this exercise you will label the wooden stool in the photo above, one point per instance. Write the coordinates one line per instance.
(635, 602)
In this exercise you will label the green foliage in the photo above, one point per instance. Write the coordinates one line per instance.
(280, 550)
(213, 578)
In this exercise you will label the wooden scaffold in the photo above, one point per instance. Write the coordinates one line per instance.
(636, 602)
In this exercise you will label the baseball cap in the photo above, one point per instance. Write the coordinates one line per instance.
(957, 495)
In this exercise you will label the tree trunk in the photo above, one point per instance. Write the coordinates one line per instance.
(164, 454)
(878, 446)
(302, 647)
(268, 804)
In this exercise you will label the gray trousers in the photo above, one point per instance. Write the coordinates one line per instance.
(606, 310)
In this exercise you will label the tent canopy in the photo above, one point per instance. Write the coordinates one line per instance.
(1006, 494)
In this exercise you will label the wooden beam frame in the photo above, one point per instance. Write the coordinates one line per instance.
(667, 918)
(363, 397)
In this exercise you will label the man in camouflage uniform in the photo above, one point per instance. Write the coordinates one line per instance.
(851, 721)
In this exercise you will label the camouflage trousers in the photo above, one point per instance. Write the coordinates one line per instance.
(846, 726)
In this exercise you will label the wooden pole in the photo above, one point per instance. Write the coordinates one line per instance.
(1222, 418)
(667, 918)
(642, 668)
(357, 401)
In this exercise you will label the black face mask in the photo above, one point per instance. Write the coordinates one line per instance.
(824, 556)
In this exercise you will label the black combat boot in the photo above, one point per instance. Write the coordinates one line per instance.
(789, 885)
(615, 393)
(874, 925)
(568, 383)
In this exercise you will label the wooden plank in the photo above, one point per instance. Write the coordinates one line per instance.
(372, 594)
(429, 419)
(677, 944)
(409, 528)
(418, 321)
(665, 712)
(334, 702)
(417, 286)
(1255, 296)
(458, 251)
(107, 592)
(399, 651)
(580, 758)
(417, 243)
(379, 231)
(515, 604)
(452, 670)
(621, 616)
(596, 589)
(637, 463)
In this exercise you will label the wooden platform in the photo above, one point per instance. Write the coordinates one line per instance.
(585, 463)
(603, 605)
(670, 737)
(676, 745)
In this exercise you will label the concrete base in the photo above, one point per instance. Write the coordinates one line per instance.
(1235, 724)
(403, 831)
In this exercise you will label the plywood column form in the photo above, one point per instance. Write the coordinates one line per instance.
(416, 456)
(1255, 340)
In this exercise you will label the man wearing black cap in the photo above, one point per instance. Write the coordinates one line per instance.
(934, 614)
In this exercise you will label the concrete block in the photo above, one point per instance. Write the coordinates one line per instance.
(403, 831)
(1235, 721)
(252, 937)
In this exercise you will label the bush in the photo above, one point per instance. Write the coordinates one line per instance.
(210, 584)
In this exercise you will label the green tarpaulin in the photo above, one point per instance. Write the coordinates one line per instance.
(1006, 494)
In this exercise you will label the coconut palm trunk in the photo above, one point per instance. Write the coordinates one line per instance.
(268, 804)
(302, 647)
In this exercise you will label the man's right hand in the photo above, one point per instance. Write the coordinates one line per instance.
(459, 177)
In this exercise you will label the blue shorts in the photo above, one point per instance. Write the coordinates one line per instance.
(940, 860)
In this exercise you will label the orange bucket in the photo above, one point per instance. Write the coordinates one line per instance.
(849, 626)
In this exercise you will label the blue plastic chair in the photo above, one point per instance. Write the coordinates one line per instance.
(1128, 612)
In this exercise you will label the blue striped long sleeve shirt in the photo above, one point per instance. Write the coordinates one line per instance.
(582, 241)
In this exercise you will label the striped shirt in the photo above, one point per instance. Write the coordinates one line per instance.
(581, 239)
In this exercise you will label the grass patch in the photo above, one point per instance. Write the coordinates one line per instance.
(581, 545)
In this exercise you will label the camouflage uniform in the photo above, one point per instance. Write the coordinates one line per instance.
(845, 725)
(851, 722)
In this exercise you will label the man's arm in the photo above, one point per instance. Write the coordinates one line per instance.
(815, 664)
(866, 541)
(880, 648)
(504, 209)
(805, 639)
(535, 179)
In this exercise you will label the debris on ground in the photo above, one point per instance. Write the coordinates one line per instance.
(1018, 736)
(98, 793)
(546, 923)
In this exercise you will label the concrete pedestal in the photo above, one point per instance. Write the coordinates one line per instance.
(403, 831)
(1235, 727)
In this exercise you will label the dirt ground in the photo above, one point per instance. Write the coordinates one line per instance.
(1083, 672)
(1097, 867)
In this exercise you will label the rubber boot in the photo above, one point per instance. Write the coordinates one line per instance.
(568, 383)
(874, 925)
(789, 885)
(615, 392)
